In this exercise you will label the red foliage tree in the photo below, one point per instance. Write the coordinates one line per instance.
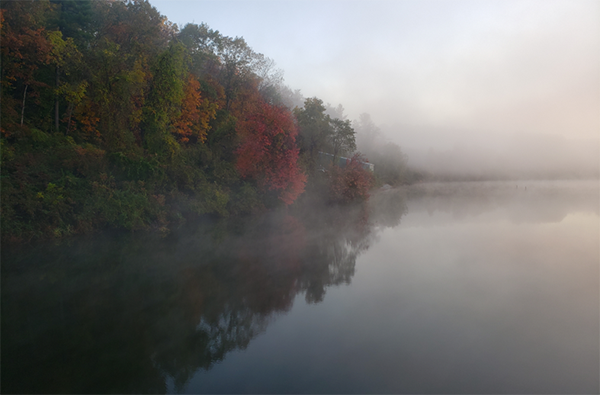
(268, 151)
(352, 182)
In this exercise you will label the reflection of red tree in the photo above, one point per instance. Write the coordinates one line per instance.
(270, 269)
(290, 242)
(268, 152)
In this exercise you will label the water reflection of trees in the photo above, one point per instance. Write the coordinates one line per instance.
(125, 313)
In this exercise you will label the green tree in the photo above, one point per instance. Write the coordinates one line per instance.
(202, 45)
(237, 59)
(341, 140)
(74, 20)
(163, 105)
(314, 133)
(116, 87)
(67, 61)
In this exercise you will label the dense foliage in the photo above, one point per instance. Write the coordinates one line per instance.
(113, 116)
(351, 182)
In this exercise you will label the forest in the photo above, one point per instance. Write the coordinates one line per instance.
(114, 117)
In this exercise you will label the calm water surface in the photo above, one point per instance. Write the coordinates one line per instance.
(437, 288)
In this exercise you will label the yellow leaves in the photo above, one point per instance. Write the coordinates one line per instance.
(138, 74)
(138, 77)
(171, 146)
(73, 93)
(58, 45)
(53, 195)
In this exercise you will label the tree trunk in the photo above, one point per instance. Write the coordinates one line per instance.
(23, 106)
(69, 121)
(56, 104)
(2, 79)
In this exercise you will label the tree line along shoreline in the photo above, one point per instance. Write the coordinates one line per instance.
(113, 117)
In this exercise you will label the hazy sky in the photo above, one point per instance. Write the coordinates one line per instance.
(481, 66)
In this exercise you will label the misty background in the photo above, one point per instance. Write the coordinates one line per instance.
(467, 89)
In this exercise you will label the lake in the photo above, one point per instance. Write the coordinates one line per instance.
(435, 288)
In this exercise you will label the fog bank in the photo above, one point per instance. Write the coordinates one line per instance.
(468, 155)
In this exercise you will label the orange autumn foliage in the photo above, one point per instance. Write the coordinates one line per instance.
(196, 113)
(86, 115)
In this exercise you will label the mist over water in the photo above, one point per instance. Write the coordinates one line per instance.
(435, 288)
(460, 155)
(475, 268)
